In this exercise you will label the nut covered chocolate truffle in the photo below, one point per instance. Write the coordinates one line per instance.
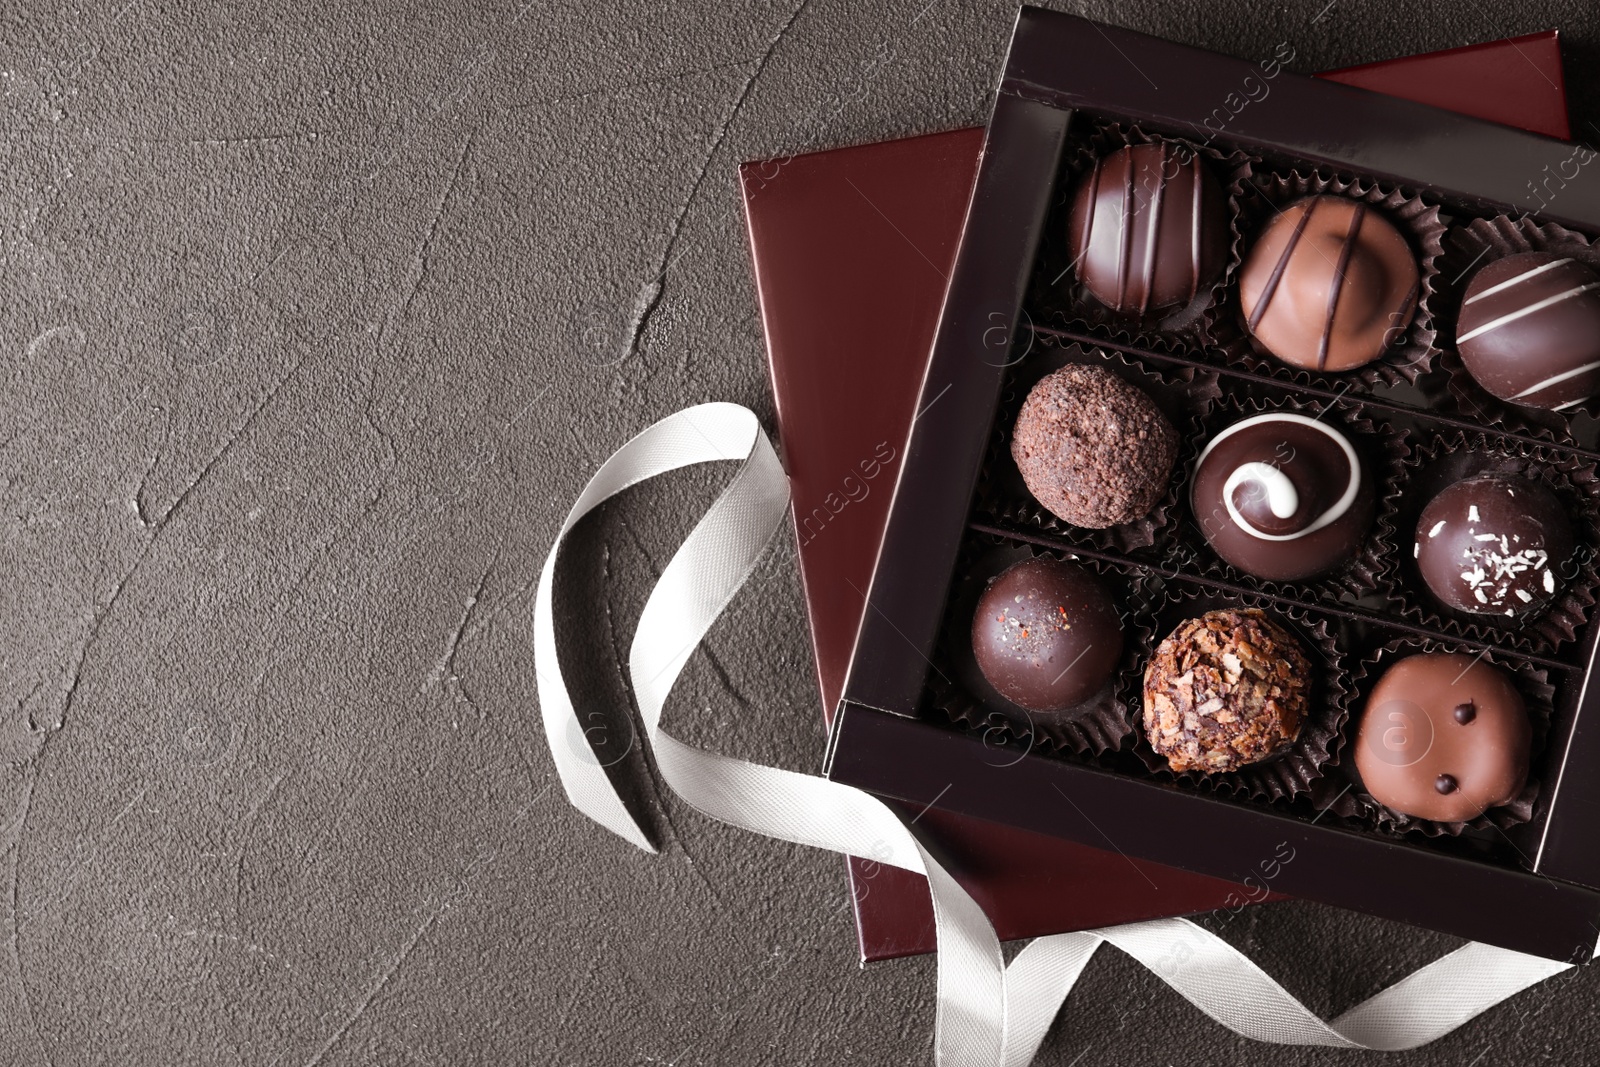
(1329, 284)
(1093, 449)
(1444, 737)
(1046, 635)
(1282, 496)
(1494, 545)
(1147, 228)
(1529, 330)
(1225, 690)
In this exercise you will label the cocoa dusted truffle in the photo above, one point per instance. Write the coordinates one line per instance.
(1093, 449)
(1148, 228)
(1494, 545)
(1282, 496)
(1046, 635)
(1444, 737)
(1225, 690)
(1329, 284)
(1530, 330)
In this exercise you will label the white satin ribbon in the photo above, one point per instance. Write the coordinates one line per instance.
(988, 1014)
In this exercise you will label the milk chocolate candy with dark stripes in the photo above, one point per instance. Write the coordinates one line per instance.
(1148, 229)
(1329, 285)
(1530, 330)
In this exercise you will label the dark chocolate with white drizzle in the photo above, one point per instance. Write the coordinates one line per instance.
(1494, 545)
(1329, 285)
(1529, 330)
(1148, 228)
(1282, 496)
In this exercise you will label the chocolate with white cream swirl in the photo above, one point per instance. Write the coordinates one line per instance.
(1282, 496)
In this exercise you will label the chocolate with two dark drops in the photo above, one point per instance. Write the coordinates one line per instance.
(1494, 545)
(1148, 228)
(1282, 496)
(1046, 634)
(1444, 736)
(1329, 284)
(1529, 330)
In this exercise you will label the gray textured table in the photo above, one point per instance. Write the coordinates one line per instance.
(307, 321)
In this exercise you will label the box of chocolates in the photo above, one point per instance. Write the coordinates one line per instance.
(1248, 523)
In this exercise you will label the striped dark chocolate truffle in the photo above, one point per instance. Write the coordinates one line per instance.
(1148, 228)
(1530, 330)
(1329, 284)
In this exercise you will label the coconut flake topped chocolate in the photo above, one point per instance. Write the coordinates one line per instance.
(1494, 545)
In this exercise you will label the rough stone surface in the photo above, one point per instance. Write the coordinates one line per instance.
(313, 316)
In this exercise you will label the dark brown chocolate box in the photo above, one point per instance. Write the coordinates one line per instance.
(909, 729)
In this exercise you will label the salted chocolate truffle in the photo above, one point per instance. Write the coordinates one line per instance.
(1282, 496)
(1092, 448)
(1225, 690)
(1329, 284)
(1046, 635)
(1494, 545)
(1443, 737)
(1148, 228)
(1530, 330)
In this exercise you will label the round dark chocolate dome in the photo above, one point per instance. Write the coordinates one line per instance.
(1494, 545)
(1148, 228)
(1282, 496)
(1046, 635)
(1529, 330)
(1329, 284)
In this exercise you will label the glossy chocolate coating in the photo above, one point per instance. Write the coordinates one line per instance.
(1329, 284)
(1529, 330)
(1494, 545)
(1416, 755)
(1148, 228)
(1046, 635)
(1282, 496)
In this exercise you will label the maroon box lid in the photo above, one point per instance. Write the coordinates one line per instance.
(852, 251)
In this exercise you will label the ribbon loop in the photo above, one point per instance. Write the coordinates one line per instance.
(988, 1014)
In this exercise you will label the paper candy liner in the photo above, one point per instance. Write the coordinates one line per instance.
(1382, 458)
(1441, 460)
(1260, 197)
(960, 694)
(1468, 249)
(1183, 395)
(1056, 299)
(1354, 803)
(1283, 777)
